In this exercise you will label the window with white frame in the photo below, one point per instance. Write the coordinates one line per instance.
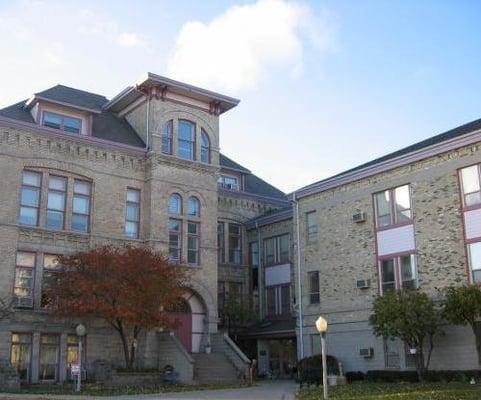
(311, 226)
(30, 198)
(62, 122)
(167, 135)
(186, 140)
(132, 214)
(228, 182)
(393, 206)
(193, 239)
(24, 279)
(276, 250)
(398, 272)
(175, 239)
(470, 184)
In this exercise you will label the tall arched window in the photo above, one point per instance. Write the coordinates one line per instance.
(186, 140)
(167, 132)
(204, 147)
(193, 206)
(175, 204)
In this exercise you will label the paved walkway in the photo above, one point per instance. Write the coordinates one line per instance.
(269, 390)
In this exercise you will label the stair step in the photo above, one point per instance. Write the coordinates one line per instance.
(214, 368)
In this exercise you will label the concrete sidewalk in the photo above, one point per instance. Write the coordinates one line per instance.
(267, 390)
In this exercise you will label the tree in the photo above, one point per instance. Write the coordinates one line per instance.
(237, 313)
(462, 306)
(129, 287)
(411, 316)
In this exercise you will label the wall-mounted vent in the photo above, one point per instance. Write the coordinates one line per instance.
(359, 216)
(366, 352)
(363, 283)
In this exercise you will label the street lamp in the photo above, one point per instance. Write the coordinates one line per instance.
(321, 325)
(81, 331)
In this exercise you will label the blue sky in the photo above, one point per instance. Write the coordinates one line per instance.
(324, 85)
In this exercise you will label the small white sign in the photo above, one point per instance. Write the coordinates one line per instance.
(75, 370)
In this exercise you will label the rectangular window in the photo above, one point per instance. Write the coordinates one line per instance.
(228, 182)
(393, 206)
(175, 239)
(235, 248)
(20, 354)
(186, 140)
(283, 244)
(269, 251)
(285, 300)
(470, 185)
(311, 226)
(276, 250)
(49, 357)
(30, 198)
(57, 192)
(399, 273)
(221, 297)
(314, 290)
(391, 352)
(132, 214)
(193, 231)
(24, 279)
(254, 263)
(220, 243)
(271, 295)
(278, 301)
(167, 133)
(474, 253)
(49, 276)
(81, 206)
(62, 122)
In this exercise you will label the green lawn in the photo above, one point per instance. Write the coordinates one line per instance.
(397, 391)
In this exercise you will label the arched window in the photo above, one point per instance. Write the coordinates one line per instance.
(167, 131)
(175, 204)
(186, 140)
(193, 206)
(204, 147)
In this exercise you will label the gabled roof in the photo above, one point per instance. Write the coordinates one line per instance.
(415, 148)
(74, 97)
(226, 162)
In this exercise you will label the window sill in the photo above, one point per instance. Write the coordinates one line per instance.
(396, 225)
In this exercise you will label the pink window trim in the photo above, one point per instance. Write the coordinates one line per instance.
(394, 223)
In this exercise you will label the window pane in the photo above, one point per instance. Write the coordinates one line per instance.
(403, 203)
(80, 223)
(25, 259)
(234, 229)
(192, 228)
(284, 248)
(52, 120)
(175, 204)
(186, 136)
(20, 354)
(57, 183)
(383, 208)
(132, 212)
(56, 201)
(131, 229)
(174, 225)
(408, 272)
(186, 150)
(50, 261)
(28, 216)
(186, 130)
(31, 178)
(81, 187)
(81, 205)
(133, 196)
(475, 259)
(270, 257)
(472, 198)
(285, 300)
(470, 179)
(193, 206)
(72, 125)
(30, 197)
(271, 301)
(55, 219)
(387, 275)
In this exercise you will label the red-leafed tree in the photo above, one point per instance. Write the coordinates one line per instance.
(129, 287)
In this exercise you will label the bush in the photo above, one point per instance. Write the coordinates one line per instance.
(355, 376)
(315, 362)
(411, 376)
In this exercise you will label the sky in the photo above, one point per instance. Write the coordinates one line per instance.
(324, 85)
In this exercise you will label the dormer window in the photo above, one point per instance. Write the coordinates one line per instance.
(62, 122)
(228, 182)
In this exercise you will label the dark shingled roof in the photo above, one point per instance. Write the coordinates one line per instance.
(75, 97)
(105, 125)
(226, 162)
(451, 134)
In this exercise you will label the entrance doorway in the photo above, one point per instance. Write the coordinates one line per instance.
(282, 358)
(181, 315)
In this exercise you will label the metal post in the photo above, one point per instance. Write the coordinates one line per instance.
(79, 376)
(324, 364)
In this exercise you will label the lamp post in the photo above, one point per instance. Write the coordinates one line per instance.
(81, 331)
(321, 325)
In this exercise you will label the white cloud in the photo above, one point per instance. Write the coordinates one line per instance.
(236, 49)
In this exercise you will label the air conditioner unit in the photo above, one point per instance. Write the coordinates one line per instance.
(367, 352)
(24, 302)
(359, 216)
(363, 283)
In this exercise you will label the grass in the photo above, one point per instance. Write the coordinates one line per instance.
(397, 391)
(96, 390)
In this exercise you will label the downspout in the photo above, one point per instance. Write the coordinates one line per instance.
(148, 122)
(299, 281)
(260, 276)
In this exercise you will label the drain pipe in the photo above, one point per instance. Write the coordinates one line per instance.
(299, 280)
(147, 144)
(260, 282)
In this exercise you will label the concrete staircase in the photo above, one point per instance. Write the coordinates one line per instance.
(214, 368)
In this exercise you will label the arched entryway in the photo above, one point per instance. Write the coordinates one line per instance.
(189, 314)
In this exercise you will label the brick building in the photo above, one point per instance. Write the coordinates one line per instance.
(79, 170)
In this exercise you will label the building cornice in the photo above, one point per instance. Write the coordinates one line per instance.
(415, 156)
